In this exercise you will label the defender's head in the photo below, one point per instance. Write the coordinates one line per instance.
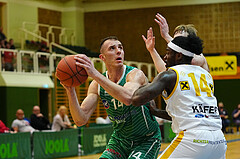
(182, 49)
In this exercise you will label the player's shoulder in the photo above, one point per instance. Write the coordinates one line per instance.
(169, 75)
(136, 75)
(135, 71)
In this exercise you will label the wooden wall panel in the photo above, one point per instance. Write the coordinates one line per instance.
(217, 24)
(50, 17)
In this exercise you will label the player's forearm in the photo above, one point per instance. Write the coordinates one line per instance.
(158, 62)
(118, 92)
(167, 38)
(140, 97)
(77, 113)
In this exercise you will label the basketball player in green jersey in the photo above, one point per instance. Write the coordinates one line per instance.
(136, 133)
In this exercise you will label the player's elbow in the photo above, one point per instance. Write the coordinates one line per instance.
(80, 123)
(127, 101)
(136, 101)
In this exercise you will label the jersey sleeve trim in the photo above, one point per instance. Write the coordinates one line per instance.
(175, 87)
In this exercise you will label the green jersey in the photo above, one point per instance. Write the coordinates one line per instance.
(129, 122)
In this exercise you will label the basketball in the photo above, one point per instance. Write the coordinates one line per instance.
(69, 73)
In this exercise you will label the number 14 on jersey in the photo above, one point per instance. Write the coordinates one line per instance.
(119, 104)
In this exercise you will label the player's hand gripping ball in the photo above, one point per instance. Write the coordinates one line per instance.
(69, 73)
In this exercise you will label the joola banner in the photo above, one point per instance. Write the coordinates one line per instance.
(94, 139)
(15, 146)
(55, 144)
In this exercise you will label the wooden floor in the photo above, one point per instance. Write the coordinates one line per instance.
(233, 150)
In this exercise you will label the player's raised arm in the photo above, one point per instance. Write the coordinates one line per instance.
(150, 45)
(163, 26)
(82, 113)
(180, 30)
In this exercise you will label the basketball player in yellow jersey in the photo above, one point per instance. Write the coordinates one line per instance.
(188, 92)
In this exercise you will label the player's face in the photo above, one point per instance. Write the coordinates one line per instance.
(169, 58)
(112, 52)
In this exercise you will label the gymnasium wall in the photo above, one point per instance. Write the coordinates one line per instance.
(50, 17)
(17, 13)
(206, 18)
(68, 18)
(227, 91)
(74, 20)
(217, 24)
(1, 12)
(13, 98)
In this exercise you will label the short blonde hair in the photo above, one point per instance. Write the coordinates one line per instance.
(62, 107)
(189, 28)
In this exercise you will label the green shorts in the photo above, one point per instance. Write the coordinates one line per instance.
(147, 148)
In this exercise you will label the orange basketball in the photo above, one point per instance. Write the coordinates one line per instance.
(69, 73)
